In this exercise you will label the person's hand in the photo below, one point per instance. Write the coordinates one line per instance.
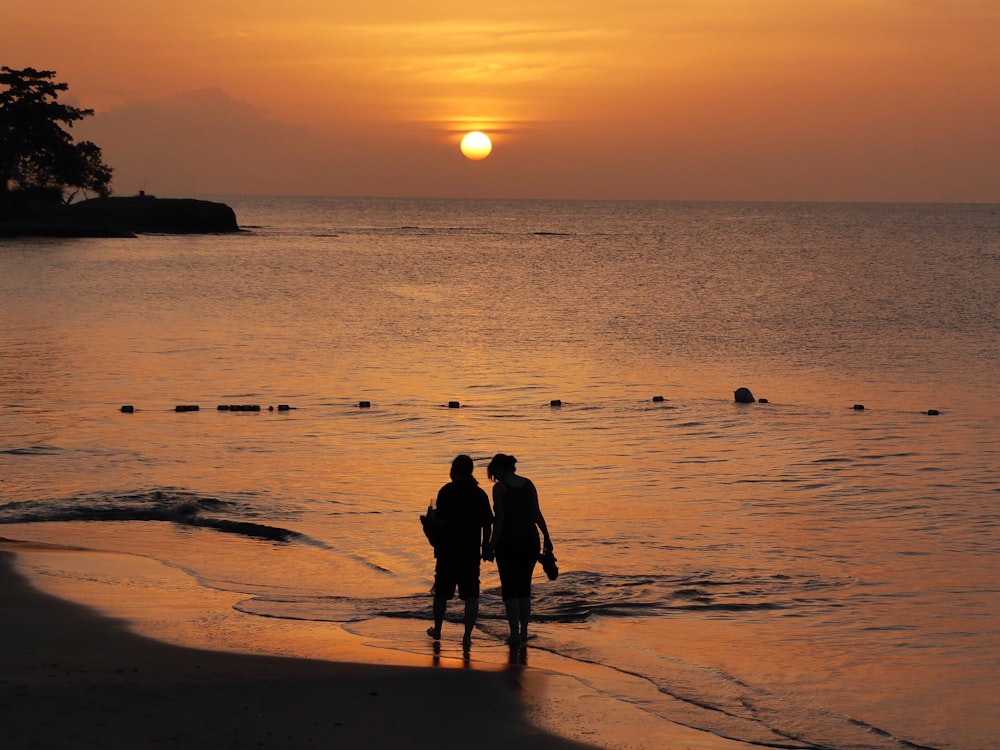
(547, 546)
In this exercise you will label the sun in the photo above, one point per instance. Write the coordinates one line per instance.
(476, 145)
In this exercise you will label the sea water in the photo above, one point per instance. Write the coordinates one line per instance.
(796, 572)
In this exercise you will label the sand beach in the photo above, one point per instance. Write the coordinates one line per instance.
(74, 676)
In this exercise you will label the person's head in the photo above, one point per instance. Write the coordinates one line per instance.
(461, 469)
(501, 465)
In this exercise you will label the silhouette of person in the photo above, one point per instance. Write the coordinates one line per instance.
(463, 519)
(515, 541)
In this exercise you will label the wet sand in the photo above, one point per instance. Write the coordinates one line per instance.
(72, 676)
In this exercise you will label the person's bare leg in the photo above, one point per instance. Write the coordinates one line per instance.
(513, 619)
(440, 607)
(471, 613)
(524, 612)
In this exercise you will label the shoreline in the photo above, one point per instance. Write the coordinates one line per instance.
(152, 658)
(73, 677)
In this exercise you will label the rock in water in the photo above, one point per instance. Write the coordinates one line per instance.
(22, 216)
(145, 214)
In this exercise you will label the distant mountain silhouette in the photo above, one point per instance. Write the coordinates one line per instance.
(206, 142)
(198, 143)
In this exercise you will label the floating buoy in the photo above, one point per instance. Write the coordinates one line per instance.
(932, 412)
(555, 402)
(364, 404)
(283, 407)
(128, 409)
(859, 407)
(743, 396)
(657, 399)
(223, 407)
(186, 407)
(763, 401)
(453, 404)
(271, 408)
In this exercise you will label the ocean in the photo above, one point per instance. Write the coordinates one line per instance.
(818, 569)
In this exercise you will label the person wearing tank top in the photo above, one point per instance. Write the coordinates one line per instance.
(514, 542)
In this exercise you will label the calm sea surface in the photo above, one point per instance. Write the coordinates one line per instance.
(797, 573)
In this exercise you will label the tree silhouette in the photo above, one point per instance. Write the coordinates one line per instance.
(37, 154)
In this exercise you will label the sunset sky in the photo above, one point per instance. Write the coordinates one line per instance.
(895, 100)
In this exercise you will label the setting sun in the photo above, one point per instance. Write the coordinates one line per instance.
(476, 145)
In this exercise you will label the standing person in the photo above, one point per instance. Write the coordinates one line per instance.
(515, 540)
(463, 519)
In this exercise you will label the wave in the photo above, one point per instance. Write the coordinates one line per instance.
(34, 450)
(166, 504)
(668, 685)
(580, 596)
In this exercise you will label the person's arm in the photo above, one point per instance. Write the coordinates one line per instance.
(547, 543)
(487, 533)
(486, 524)
(540, 522)
(440, 519)
(497, 521)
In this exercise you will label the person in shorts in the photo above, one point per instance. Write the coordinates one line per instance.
(463, 521)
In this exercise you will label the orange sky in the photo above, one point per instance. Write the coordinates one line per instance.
(657, 99)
